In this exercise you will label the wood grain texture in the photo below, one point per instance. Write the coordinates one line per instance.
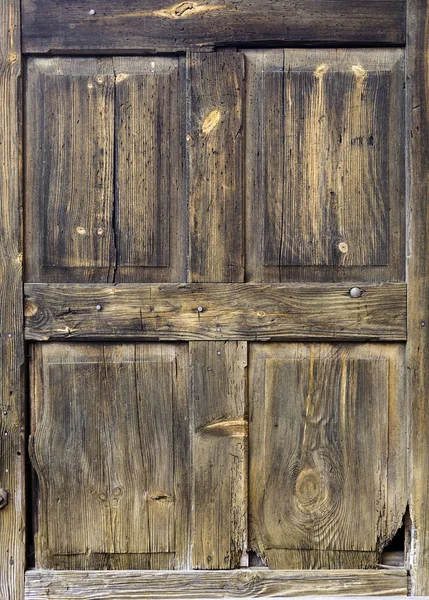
(327, 453)
(228, 311)
(215, 90)
(133, 25)
(150, 196)
(219, 424)
(110, 448)
(324, 158)
(12, 404)
(69, 141)
(240, 583)
(105, 152)
(418, 278)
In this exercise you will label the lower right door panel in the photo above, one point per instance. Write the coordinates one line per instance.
(327, 448)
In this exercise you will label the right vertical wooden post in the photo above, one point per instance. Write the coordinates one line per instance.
(417, 116)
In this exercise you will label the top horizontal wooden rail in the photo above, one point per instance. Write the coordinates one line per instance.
(215, 311)
(158, 26)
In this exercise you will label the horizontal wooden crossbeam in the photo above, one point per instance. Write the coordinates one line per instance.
(215, 311)
(240, 583)
(132, 25)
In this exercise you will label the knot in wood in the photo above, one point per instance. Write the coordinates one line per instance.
(310, 490)
(4, 498)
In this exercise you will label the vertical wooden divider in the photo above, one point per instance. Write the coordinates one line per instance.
(418, 286)
(220, 450)
(12, 450)
(215, 104)
(218, 369)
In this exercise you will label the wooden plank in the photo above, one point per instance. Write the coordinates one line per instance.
(12, 403)
(240, 583)
(215, 90)
(233, 311)
(69, 141)
(322, 135)
(117, 488)
(327, 453)
(150, 194)
(131, 25)
(418, 278)
(219, 426)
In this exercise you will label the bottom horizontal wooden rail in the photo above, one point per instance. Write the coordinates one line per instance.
(240, 583)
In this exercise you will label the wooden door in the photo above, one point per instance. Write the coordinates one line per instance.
(218, 215)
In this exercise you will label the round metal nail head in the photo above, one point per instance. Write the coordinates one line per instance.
(355, 292)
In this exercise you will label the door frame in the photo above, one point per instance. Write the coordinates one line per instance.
(13, 402)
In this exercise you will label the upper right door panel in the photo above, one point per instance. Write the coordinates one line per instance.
(325, 165)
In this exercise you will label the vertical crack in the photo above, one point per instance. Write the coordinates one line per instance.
(283, 170)
(115, 250)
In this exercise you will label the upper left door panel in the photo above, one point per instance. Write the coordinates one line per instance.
(105, 188)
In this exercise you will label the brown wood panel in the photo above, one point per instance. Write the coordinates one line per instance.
(12, 402)
(324, 159)
(242, 583)
(327, 453)
(150, 196)
(89, 219)
(219, 422)
(110, 448)
(418, 277)
(215, 90)
(161, 26)
(69, 141)
(215, 311)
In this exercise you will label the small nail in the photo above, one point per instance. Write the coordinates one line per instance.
(355, 292)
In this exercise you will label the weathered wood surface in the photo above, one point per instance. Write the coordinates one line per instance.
(227, 311)
(12, 404)
(215, 97)
(69, 187)
(327, 453)
(219, 442)
(240, 583)
(110, 445)
(418, 278)
(131, 25)
(105, 194)
(150, 154)
(324, 162)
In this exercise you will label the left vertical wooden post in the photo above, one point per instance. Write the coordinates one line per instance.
(12, 405)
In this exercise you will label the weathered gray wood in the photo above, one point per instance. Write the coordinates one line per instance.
(215, 90)
(324, 162)
(132, 25)
(219, 424)
(12, 404)
(110, 447)
(327, 453)
(228, 311)
(418, 278)
(150, 192)
(240, 583)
